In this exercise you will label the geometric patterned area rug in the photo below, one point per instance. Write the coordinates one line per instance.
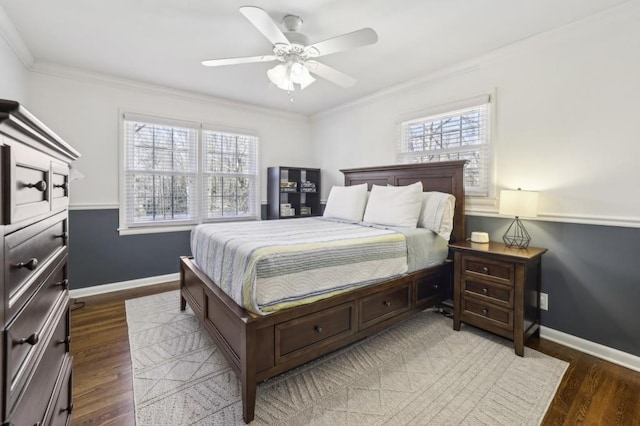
(419, 372)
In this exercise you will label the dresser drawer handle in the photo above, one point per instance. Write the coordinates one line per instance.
(485, 291)
(435, 286)
(485, 312)
(386, 303)
(40, 186)
(32, 340)
(64, 236)
(485, 269)
(69, 408)
(318, 329)
(64, 284)
(31, 264)
(66, 340)
(62, 185)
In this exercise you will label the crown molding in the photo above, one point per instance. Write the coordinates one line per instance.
(622, 10)
(9, 32)
(93, 77)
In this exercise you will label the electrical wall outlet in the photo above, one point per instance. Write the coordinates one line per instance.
(544, 301)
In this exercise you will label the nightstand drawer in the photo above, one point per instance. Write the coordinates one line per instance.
(489, 291)
(500, 271)
(478, 313)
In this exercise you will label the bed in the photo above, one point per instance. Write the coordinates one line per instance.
(259, 347)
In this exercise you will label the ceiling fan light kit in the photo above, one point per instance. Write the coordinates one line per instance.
(291, 48)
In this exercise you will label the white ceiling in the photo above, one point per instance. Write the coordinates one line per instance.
(163, 41)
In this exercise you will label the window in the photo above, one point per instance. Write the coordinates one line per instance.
(461, 133)
(179, 173)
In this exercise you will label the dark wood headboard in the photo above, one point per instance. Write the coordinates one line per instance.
(444, 176)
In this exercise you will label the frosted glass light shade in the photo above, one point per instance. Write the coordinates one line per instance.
(285, 75)
(518, 203)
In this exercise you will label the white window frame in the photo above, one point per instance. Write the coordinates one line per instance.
(485, 191)
(126, 227)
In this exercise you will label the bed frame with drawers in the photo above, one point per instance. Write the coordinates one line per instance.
(261, 347)
(36, 365)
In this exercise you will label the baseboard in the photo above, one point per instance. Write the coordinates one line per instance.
(123, 285)
(596, 349)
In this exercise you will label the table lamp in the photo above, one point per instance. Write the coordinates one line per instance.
(518, 203)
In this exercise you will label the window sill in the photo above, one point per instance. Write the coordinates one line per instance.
(161, 229)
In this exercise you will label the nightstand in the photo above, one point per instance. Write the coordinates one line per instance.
(497, 288)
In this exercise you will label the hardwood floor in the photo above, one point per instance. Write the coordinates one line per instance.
(592, 391)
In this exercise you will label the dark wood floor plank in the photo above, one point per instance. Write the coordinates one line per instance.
(592, 391)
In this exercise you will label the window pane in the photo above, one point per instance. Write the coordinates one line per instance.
(457, 135)
(161, 197)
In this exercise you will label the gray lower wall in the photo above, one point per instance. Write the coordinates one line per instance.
(99, 255)
(591, 275)
(590, 272)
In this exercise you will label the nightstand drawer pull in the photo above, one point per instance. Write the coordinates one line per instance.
(318, 329)
(485, 269)
(485, 312)
(485, 291)
(435, 286)
(386, 303)
(66, 340)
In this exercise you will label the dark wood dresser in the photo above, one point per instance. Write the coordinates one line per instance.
(497, 288)
(36, 373)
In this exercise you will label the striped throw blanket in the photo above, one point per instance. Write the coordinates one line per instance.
(266, 266)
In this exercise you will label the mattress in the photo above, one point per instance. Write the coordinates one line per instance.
(265, 266)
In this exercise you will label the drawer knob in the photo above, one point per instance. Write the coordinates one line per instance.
(485, 291)
(62, 185)
(485, 312)
(32, 340)
(386, 303)
(318, 329)
(40, 186)
(435, 286)
(64, 236)
(64, 284)
(66, 340)
(485, 269)
(30, 264)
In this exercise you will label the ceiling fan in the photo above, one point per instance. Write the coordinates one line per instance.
(296, 55)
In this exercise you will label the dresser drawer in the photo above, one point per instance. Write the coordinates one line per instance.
(61, 405)
(380, 306)
(489, 291)
(59, 186)
(26, 183)
(500, 271)
(28, 396)
(295, 337)
(29, 249)
(25, 332)
(479, 313)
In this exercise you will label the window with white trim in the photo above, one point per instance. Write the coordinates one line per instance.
(180, 173)
(460, 133)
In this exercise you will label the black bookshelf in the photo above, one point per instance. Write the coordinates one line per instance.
(297, 187)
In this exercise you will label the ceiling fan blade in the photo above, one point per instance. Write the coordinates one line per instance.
(358, 38)
(234, 61)
(263, 22)
(331, 74)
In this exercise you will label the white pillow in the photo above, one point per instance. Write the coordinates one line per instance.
(346, 202)
(394, 205)
(436, 213)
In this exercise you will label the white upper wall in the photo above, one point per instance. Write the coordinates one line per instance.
(84, 109)
(14, 76)
(567, 108)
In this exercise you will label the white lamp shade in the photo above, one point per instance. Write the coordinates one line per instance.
(518, 203)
